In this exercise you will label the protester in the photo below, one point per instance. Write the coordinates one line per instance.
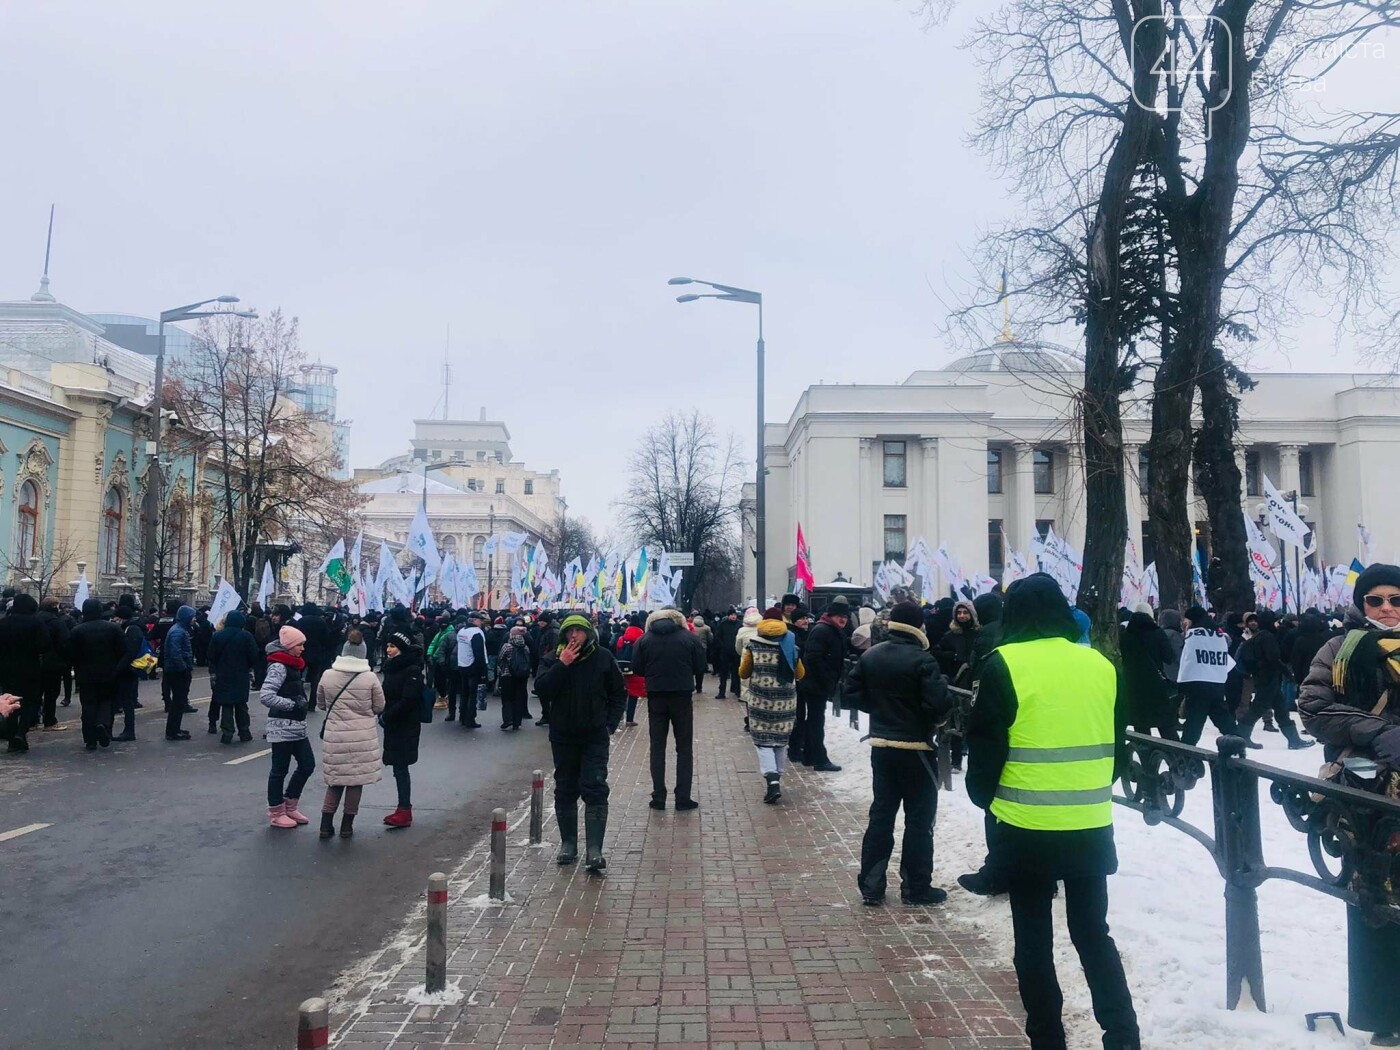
(54, 664)
(319, 651)
(95, 650)
(671, 659)
(1261, 659)
(1345, 703)
(636, 684)
(471, 669)
(284, 695)
(585, 693)
(233, 656)
(1203, 666)
(727, 654)
(823, 656)
(1147, 652)
(513, 668)
(23, 645)
(128, 618)
(770, 670)
(351, 696)
(954, 650)
(177, 654)
(403, 720)
(1040, 694)
(901, 687)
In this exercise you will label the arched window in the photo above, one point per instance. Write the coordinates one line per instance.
(175, 538)
(111, 531)
(478, 559)
(27, 523)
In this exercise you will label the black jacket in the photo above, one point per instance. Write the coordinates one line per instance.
(403, 702)
(822, 656)
(726, 634)
(1308, 640)
(900, 685)
(1259, 657)
(23, 643)
(97, 651)
(56, 628)
(1146, 653)
(668, 656)
(232, 655)
(318, 651)
(585, 695)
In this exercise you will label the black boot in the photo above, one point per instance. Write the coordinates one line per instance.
(347, 826)
(775, 791)
(568, 833)
(595, 824)
(1290, 732)
(983, 883)
(327, 825)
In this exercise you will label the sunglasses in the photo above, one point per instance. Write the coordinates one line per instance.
(1375, 601)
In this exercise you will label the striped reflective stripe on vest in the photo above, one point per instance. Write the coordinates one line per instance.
(1026, 797)
(1078, 753)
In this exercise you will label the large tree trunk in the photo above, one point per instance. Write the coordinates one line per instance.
(1169, 465)
(1219, 474)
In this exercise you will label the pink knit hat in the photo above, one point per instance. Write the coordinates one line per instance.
(289, 636)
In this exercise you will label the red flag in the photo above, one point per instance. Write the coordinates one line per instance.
(804, 561)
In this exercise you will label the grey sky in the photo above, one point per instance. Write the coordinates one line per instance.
(530, 174)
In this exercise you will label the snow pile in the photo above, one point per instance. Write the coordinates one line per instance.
(485, 900)
(419, 995)
(1167, 914)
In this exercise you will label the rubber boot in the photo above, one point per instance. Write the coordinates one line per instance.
(295, 814)
(775, 790)
(568, 833)
(327, 825)
(402, 817)
(277, 817)
(347, 826)
(595, 824)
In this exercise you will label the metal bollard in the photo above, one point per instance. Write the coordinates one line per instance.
(436, 979)
(537, 809)
(313, 1025)
(498, 854)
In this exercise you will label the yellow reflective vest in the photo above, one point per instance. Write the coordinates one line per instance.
(1059, 769)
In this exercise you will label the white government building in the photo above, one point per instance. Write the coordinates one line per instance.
(984, 447)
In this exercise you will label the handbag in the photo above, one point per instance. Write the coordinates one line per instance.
(334, 699)
(1335, 771)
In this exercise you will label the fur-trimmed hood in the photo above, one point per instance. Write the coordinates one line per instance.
(664, 621)
(974, 624)
(898, 629)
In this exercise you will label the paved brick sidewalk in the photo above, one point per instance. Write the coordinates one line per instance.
(737, 926)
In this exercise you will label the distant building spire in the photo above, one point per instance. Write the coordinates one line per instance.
(43, 295)
(1005, 301)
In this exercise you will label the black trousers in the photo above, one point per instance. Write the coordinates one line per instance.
(667, 712)
(728, 671)
(468, 679)
(403, 780)
(1204, 700)
(1086, 912)
(515, 702)
(53, 685)
(580, 767)
(1265, 700)
(176, 685)
(96, 699)
(899, 778)
(67, 685)
(283, 751)
(234, 717)
(127, 686)
(809, 729)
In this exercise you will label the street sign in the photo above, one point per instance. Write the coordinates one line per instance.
(683, 560)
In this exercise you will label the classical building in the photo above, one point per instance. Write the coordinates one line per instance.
(983, 453)
(472, 487)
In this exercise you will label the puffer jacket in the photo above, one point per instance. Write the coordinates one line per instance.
(900, 685)
(350, 694)
(284, 695)
(1340, 721)
(746, 633)
(668, 656)
(403, 703)
(177, 653)
(955, 647)
(636, 684)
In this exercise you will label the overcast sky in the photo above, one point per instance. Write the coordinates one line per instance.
(529, 174)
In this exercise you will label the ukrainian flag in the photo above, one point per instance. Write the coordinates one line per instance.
(1355, 571)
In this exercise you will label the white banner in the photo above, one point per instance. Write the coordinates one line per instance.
(1285, 523)
(421, 543)
(266, 586)
(226, 599)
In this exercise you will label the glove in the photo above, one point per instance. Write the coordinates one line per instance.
(1386, 745)
(300, 710)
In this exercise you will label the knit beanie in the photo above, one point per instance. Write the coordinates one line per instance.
(751, 618)
(289, 636)
(1197, 616)
(774, 613)
(401, 641)
(355, 649)
(907, 613)
(1374, 576)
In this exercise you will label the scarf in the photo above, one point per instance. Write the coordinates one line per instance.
(1365, 658)
(281, 657)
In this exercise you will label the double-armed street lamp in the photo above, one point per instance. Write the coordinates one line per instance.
(744, 295)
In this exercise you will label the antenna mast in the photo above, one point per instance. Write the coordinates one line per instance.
(447, 376)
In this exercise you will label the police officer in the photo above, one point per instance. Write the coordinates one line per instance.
(1043, 738)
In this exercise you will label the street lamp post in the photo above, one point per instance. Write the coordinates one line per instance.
(744, 295)
(154, 474)
(490, 558)
(427, 467)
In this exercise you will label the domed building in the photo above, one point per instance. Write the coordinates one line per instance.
(985, 453)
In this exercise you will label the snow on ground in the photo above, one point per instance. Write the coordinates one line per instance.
(419, 995)
(1167, 914)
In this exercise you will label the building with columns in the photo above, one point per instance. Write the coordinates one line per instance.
(984, 453)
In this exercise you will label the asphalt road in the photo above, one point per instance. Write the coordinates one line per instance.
(158, 909)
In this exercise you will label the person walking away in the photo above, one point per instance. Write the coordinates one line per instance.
(403, 721)
(442, 663)
(95, 650)
(284, 695)
(1146, 653)
(770, 670)
(727, 653)
(823, 656)
(201, 634)
(747, 632)
(707, 640)
(496, 636)
(178, 657)
(233, 658)
(318, 653)
(513, 666)
(1308, 640)
(128, 618)
(1346, 702)
(471, 665)
(899, 684)
(1045, 740)
(369, 630)
(1170, 622)
(1261, 659)
(1202, 670)
(670, 659)
(353, 700)
(54, 665)
(635, 683)
(23, 646)
(585, 694)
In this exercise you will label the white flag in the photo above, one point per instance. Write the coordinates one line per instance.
(1261, 553)
(226, 599)
(511, 541)
(467, 585)
(382, 576)
(447, 579)
(83, 591)
(1284, 522)
(355, 555)
(421, 543)
(265, 588)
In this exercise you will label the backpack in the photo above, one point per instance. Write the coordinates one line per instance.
(624, 656)
(519, 663)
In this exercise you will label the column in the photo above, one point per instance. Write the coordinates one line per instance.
(866, 506)
(1022, 524)
(928, 491)
(1132, 490)
(1073, 496)
(1288, 476)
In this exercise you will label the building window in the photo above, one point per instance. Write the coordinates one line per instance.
(1142, 469)
(27, 524)
(458, 455)
(1043, 527)
(1251, 474)
(480, 456)
(175, 537)
(995, 559)
(993, 471)
(500, 457)
(529, 488)
(471, 484)
(895, 472)
(111, 531)
(437, 453)
(894, 537)
(1043, 467)
(1305, 474)
(500, 486)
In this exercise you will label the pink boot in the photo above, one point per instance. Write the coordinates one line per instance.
(290, 807)
(277, 817)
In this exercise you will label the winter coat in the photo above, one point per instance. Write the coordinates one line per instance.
(506, 652)
(823, 656)
(1341, 721)
(284, 695)
(403, 703)
(232, 655)
(586, 695)
(1170, 622)
(900, 685)
(954, 649)
(350, 695)
(1261, 659)
(177, 652)
(96, 648)
(318, 651)
(746, 633)
(23, 643)
(726, 634)
(1308, 640)
(770, 684)
(668, 656)
(636, 684)
(56, 627)
(707, 638)
(1146, 651)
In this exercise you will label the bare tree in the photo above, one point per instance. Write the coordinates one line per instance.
(569, 538)
(47, 575)
(683, 493)
(276, 463)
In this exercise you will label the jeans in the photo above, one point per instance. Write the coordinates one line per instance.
(404, 782)
(899, 777)
(96, 699)
(235, 716)
(580, 767)
(771, 760)
(809, 729)
(1086, 912)
(176, 685)
(1204, 700)
(53, 684)
(667, 711)
(283, 751)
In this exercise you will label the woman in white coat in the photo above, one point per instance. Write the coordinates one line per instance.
(352, 698)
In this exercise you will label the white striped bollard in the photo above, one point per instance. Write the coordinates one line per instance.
(537, 808)
(498, 854)
(436, 977)
(313, 1025)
